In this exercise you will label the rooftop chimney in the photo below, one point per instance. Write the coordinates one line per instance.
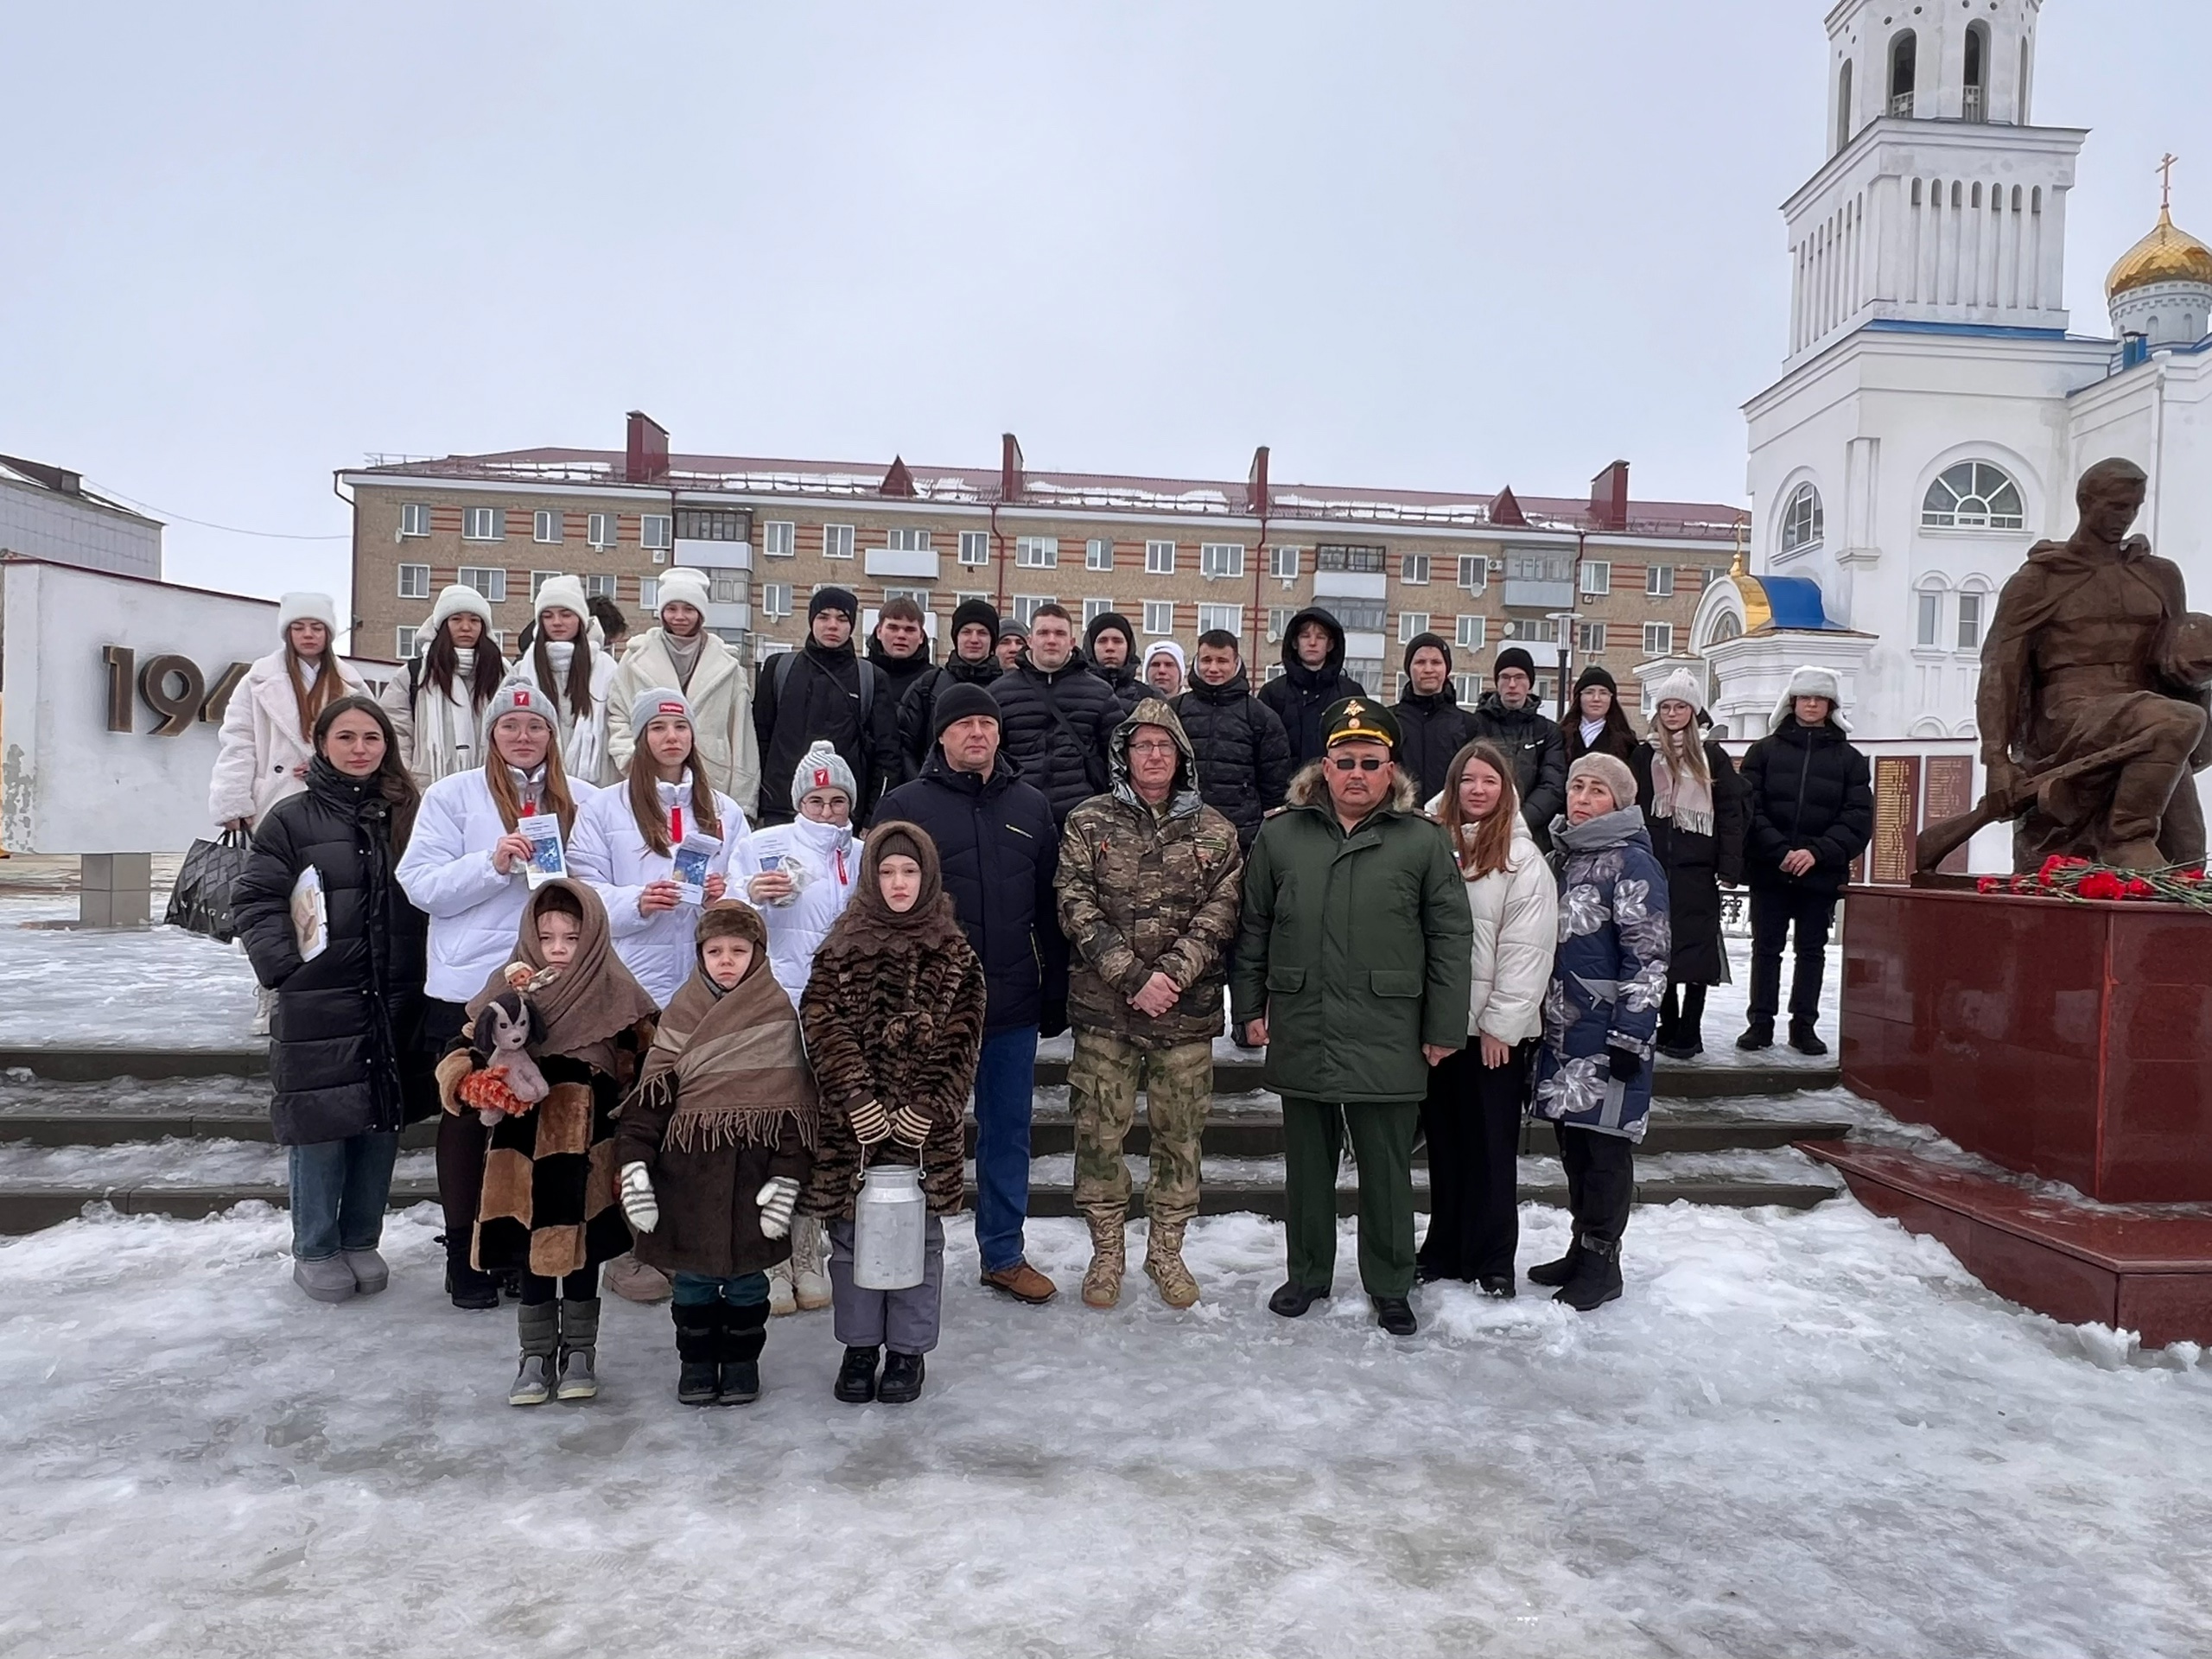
(1255, 484)
(1011, 482)
(646, 459)
(1505, 511)
(1609, 498)
(898, 481)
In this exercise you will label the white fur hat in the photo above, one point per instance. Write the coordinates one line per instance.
(1680, 686)
(684, 586)
(823, 767)
(307, 607)
(564, 593)
(458, 599)
(1810, 682)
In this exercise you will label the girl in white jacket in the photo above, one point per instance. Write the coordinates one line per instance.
(1472, 1114)
(576, 674)
(437, 704)
(465, 866)
(627, 838)
(267, 738)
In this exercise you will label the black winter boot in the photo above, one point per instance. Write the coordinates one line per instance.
(1804, 1038)
(745, 1332)
(470, 1290)
(902, 1379)
(1597, 1279)
(1559, 1272)
(1395, 1315)
(698, 1329)
(1757, 1035)
(856, 1377)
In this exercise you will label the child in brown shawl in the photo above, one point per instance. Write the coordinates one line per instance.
(548, 1210)
(712, 1149)
(894, 1024)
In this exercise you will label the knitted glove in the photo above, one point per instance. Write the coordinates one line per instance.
(487, 1091)
(1625, 1065)
(637, 1201)
(871, 1124)
(910, 1127)
(777, 1201)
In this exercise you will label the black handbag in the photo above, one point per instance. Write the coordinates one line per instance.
(201, 901)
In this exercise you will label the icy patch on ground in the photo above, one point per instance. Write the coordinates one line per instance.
(176, 1161)
(1797, 1434)
(155, 988)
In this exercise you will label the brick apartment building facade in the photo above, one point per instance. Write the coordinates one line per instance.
(1175, 556)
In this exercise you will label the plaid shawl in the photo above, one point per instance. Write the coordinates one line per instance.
(734, 1063)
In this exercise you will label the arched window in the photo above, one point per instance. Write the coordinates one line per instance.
(1800, 520)
(1730, 626)
(1976, 106)
(1905, 57)
(1843, 113)
(1973, 495)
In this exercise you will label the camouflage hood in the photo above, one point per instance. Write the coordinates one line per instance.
(1152, 711)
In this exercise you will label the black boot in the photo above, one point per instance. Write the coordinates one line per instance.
(902, 1379)
(1291, 1300)
(1804, 1038)
(1559, 1272)
(1498, 1286)
(1758, 1034)
(469, 1290)
(698, 1329)
(1395, 1315)
(856, 1377)
(1597, 1278)
(745, 1330)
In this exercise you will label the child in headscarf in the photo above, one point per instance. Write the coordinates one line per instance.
(712, 1149)
(549, 1208)
(894, 1025)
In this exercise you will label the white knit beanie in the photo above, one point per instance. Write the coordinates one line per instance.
(307, 607)
(652, 703)
(459, 600)
(684, 586)
(564, 593)
(1680, 686)
(823, 767)
(1168, 648)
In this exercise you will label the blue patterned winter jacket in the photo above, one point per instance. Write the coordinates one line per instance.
(1611, 976)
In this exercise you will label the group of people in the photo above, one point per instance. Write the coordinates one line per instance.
(678, 1045)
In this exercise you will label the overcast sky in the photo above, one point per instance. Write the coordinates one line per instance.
(1439, 245)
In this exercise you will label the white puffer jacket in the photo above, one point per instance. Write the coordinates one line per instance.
(825, 861)
(261, 742)
(584, 752)
(1516, 935)
(722, 710)
(661, 950)
(447, 872)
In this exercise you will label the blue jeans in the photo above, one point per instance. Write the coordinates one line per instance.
(1006, 1079)
(338, 1191)
(703, 1290)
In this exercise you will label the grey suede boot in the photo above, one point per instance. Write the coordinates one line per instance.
(540, 1328)
(579, 1351)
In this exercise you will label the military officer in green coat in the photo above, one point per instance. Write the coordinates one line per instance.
(1353, 967)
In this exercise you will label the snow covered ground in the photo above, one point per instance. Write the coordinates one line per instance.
(1799, 1434)
(153, 988)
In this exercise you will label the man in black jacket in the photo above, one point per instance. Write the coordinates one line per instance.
(1111, 644)
(1313, 677)
(824, 690)
(1000, 848)
(1812, 813)
(1509, 717)
(1059, 715)
(899, 646)
(1432, 726)
(1244, 754)
(973, 661)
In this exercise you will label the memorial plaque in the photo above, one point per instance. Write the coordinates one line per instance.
(1897, 819)
(1948, 793)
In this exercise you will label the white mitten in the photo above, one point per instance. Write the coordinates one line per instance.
(777, 1201)
(871, 1124)
(637, 1201)
(910, 1127)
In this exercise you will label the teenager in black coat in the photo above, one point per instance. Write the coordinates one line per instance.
(1509, 716)
(1432, 726)
(1057, 715)
(1599, 725)
(973, 660)
(1313, 677)
(1117, 664)
(1244, 753)
(817, 694)
(347, 1056)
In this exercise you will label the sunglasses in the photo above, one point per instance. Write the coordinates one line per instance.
(1358, 763)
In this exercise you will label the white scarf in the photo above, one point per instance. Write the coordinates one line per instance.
(581, 740)
(1590, 730)
(445, 725)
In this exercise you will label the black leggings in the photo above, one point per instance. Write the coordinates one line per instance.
(463, 1142)
(581, 1286)
(1684, 1007)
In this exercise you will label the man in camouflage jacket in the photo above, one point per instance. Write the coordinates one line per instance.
(1149, 885)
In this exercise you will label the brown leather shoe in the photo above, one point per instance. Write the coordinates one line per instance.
(1022, 1282)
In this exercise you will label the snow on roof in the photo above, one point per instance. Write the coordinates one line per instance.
(59, 480)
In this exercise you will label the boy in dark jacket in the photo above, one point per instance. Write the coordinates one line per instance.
(824, 690)
(973, 660)
(1057, 714)
(899, 645)
(1313, 677)
(1111, 644)
(1812, 813)
(1243, 752)
(1508, 717)
(1434, 726)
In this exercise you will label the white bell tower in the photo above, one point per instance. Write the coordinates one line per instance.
(1939, 203)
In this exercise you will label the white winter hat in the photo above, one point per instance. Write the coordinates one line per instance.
(1168, 648)
(519, 697)
(307, 607)
(458, 599)
(684, 586)
(564, 593)
(823, 767)
(652, 703)
(1680, 686)
(1810, 682)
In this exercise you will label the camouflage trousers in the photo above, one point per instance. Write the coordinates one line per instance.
(1103, 1082)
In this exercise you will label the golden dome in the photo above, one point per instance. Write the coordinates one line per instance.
(2168, 254)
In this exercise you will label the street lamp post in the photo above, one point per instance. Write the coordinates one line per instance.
(1566, 621)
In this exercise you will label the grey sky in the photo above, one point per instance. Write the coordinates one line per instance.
(1452, 246)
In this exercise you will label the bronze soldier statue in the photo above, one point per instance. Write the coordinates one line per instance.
(2093, 704)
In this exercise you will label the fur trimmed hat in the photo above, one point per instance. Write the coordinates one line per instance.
(682, 586)
(307, 607)
(652, 703)
(823, 767)
(732, 919)
(1811, 681)
(1620, 781)
(457, 599)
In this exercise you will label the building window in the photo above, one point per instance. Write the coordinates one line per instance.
(775, 599)
(1411, 623)
(1363, 561)
(414, 581)
(778, 538)
(1469, 687)
(1025, 606)
(649, 595)
(654, 531)
(1590, 639)
(1658, 638)
(483, 525)
(836, 540)
(709, 525)
(1659, 580)
(1230, 619)
(1532, 630)
(1221, 559)
(1094, 608)
(599, 530)
(1471, 632)
(1801, 523)
(1357, 615)
(545, 527)
(1596, 577)
(602, 585)
(960, 598)
(1279, 620)
(1969, 622)
(1931, 619)
(1905, 51)
(974, 546)
(1474, 572)
(1282, 562)
(1413, 568)
(491, 583)
(919, 595)
(415, 518)
(408, 645)
(1367, 670)
(906, 541)
(1159, 558)
(1037, 553)
(1098, 554)
(1159, 617)
(537, 581)
(726, 587)
(1973, 495)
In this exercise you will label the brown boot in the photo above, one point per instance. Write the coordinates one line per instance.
(1022, 1282)
(1163, 1264)
(1101, 1281)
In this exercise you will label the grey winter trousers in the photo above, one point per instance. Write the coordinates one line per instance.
(905, 1321)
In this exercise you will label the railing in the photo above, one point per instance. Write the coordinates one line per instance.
(1973, 108)
(1901, 103)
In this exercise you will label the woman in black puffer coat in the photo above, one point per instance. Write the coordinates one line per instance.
(346, 1057)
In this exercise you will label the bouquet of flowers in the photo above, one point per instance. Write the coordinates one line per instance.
(2061, 877)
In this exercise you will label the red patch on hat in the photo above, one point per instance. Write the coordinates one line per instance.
(822, 777)
(677, 709)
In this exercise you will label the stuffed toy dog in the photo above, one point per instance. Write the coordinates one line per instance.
(507, 1081)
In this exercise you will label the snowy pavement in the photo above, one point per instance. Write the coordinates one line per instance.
(1798, 1434)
